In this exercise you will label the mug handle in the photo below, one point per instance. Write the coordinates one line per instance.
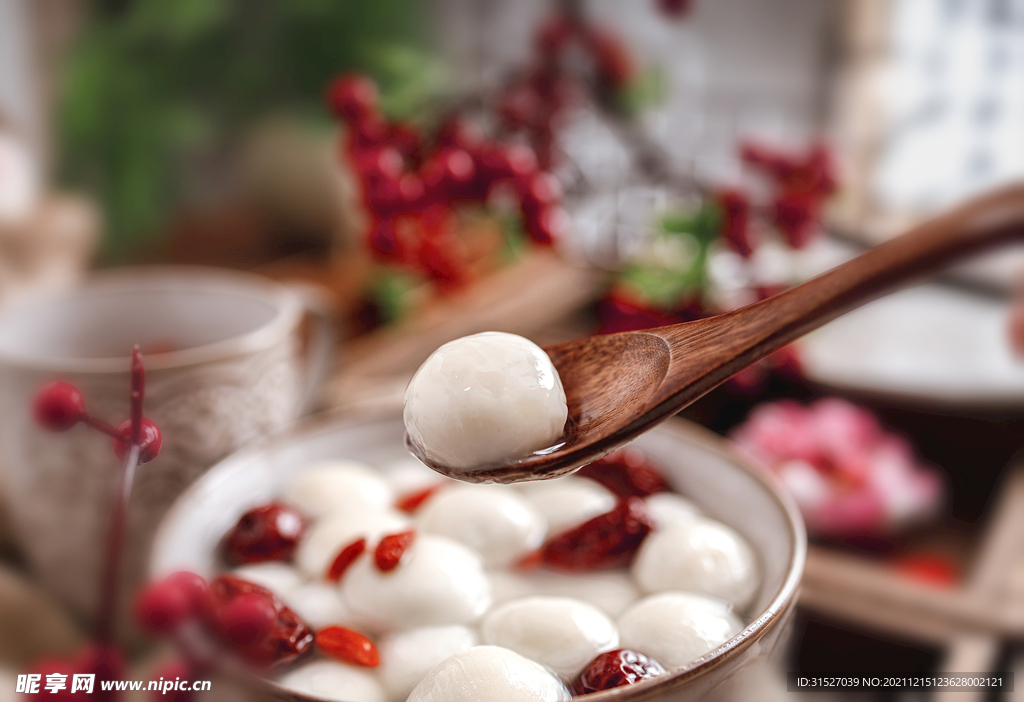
(319, 359)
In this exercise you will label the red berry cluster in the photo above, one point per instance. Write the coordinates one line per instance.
(410, 184)
(800, 185)
(533, 103)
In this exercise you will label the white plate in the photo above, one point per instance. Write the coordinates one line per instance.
(934, 344)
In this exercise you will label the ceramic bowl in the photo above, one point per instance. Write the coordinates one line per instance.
(697, 463)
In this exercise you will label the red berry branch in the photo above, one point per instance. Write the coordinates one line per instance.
(411, 185)
(533, 103)
(800, 183)
(59, 407)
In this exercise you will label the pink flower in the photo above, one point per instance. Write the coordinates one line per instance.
(847, 474)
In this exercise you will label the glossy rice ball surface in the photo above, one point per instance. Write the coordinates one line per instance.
(439, 581)
(704, 556)
(329, 680)
(493, 520)
(484, 399)
(489, 674)
(675, 628)
(407, 656)
(561, 633)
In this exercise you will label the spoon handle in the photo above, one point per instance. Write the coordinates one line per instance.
(734, 340)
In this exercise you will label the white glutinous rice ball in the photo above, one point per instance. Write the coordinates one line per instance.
(611, 591)
(561, 633)
(408, 475)
(335, 681)
(279, 578)
(489, 674)
(494, 520)
(439, 581)
(335, 486)
(568, 502)
(674, 628)
(704, 556)
(668, 509)
(319, 604)
(322, 543)
(407, 656)
(486, 398)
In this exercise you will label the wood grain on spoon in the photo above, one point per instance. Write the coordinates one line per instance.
(620, 385)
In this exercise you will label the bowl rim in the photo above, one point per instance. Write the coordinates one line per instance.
(783, 600)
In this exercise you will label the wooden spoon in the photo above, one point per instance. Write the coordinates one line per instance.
(620, 385)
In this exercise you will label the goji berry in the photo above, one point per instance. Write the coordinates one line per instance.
(347, 646)
(414, 500)
(530, 560)
(391, 549)
(345, 558)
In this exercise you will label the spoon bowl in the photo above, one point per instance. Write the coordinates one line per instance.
(620, 385)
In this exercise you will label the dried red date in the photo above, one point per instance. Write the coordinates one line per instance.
(347, 646)
(345, 558)
(289, 637)
(391, 549)
(609, 540)
(615, 669)
(266, 533)
(626, 472)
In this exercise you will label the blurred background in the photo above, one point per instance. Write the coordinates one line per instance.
(557, 168)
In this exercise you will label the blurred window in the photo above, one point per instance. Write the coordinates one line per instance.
(952, 92)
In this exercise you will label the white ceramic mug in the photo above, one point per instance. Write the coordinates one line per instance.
(225, 366)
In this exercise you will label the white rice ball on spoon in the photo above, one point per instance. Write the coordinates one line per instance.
(483, 399)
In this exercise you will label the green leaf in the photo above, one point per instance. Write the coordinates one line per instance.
(390, 290)
(643, 93)
(160, 86)
(516, 241)
(673, 269)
